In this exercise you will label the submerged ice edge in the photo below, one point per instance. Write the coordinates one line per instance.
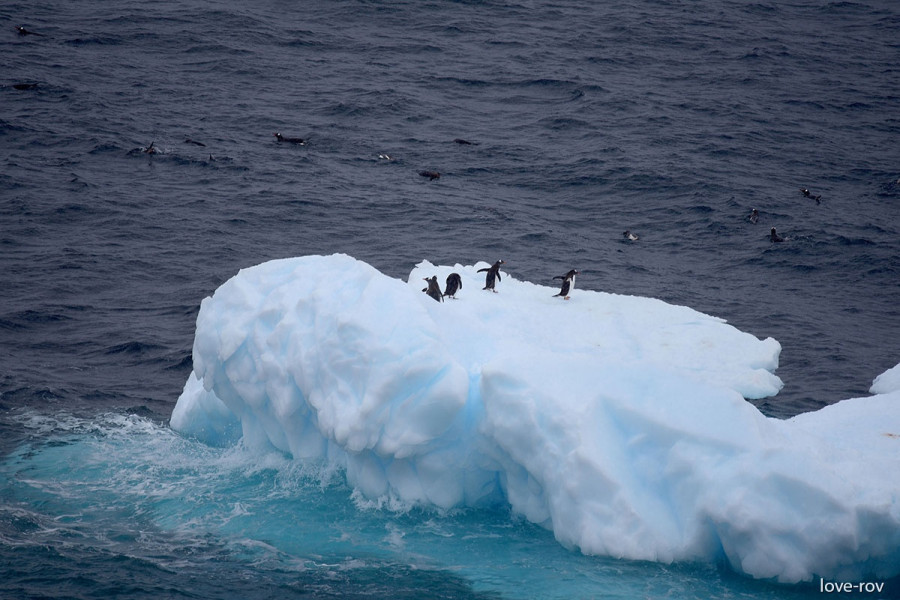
(125, 486)
(617, 422)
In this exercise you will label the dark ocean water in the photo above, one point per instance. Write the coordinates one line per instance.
(671, 119)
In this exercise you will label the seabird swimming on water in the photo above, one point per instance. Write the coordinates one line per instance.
(431, 175)
(290, 140)
(775, 237)
(807, 193)
(22, 31)
(754, 216)
(151, 149)
(631, 237)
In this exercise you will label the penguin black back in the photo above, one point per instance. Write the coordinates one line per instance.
(773, 236)
(290, 140)
(454, 284)
(568, 283)
(433, 289)
(22, 31)
(493, 275)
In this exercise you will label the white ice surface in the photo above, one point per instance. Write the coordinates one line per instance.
(618, 422)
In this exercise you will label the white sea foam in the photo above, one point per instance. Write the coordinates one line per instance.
(618, 422)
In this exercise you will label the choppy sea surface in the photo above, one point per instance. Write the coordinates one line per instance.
(666, 118)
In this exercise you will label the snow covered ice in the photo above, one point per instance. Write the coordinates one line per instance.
(618, 422)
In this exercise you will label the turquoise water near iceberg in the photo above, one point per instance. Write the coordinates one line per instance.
(96, 503)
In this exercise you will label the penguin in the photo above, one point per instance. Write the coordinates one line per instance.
(25, 86)
(809, 195)
(754, 216)
(463, 142)
(630, 236)
(775, 237)
(454, 284)
(151, 149)
(290, 140)
(194, 142)
(493, 276)
(568, 284)
(22, 31)
(433, 289)
(431, 175)
(385, 157)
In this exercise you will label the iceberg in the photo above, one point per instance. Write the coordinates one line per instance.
(619, 423)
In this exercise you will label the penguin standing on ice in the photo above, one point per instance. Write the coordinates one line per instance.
(493, 276)
(433, 289)
(568, 284)
(454, 284)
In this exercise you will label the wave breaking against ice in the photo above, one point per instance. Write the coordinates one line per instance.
(618, 422)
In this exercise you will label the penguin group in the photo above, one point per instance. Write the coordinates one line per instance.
(279, 137)
(774, 237)
(453, 285)
(492, 277)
